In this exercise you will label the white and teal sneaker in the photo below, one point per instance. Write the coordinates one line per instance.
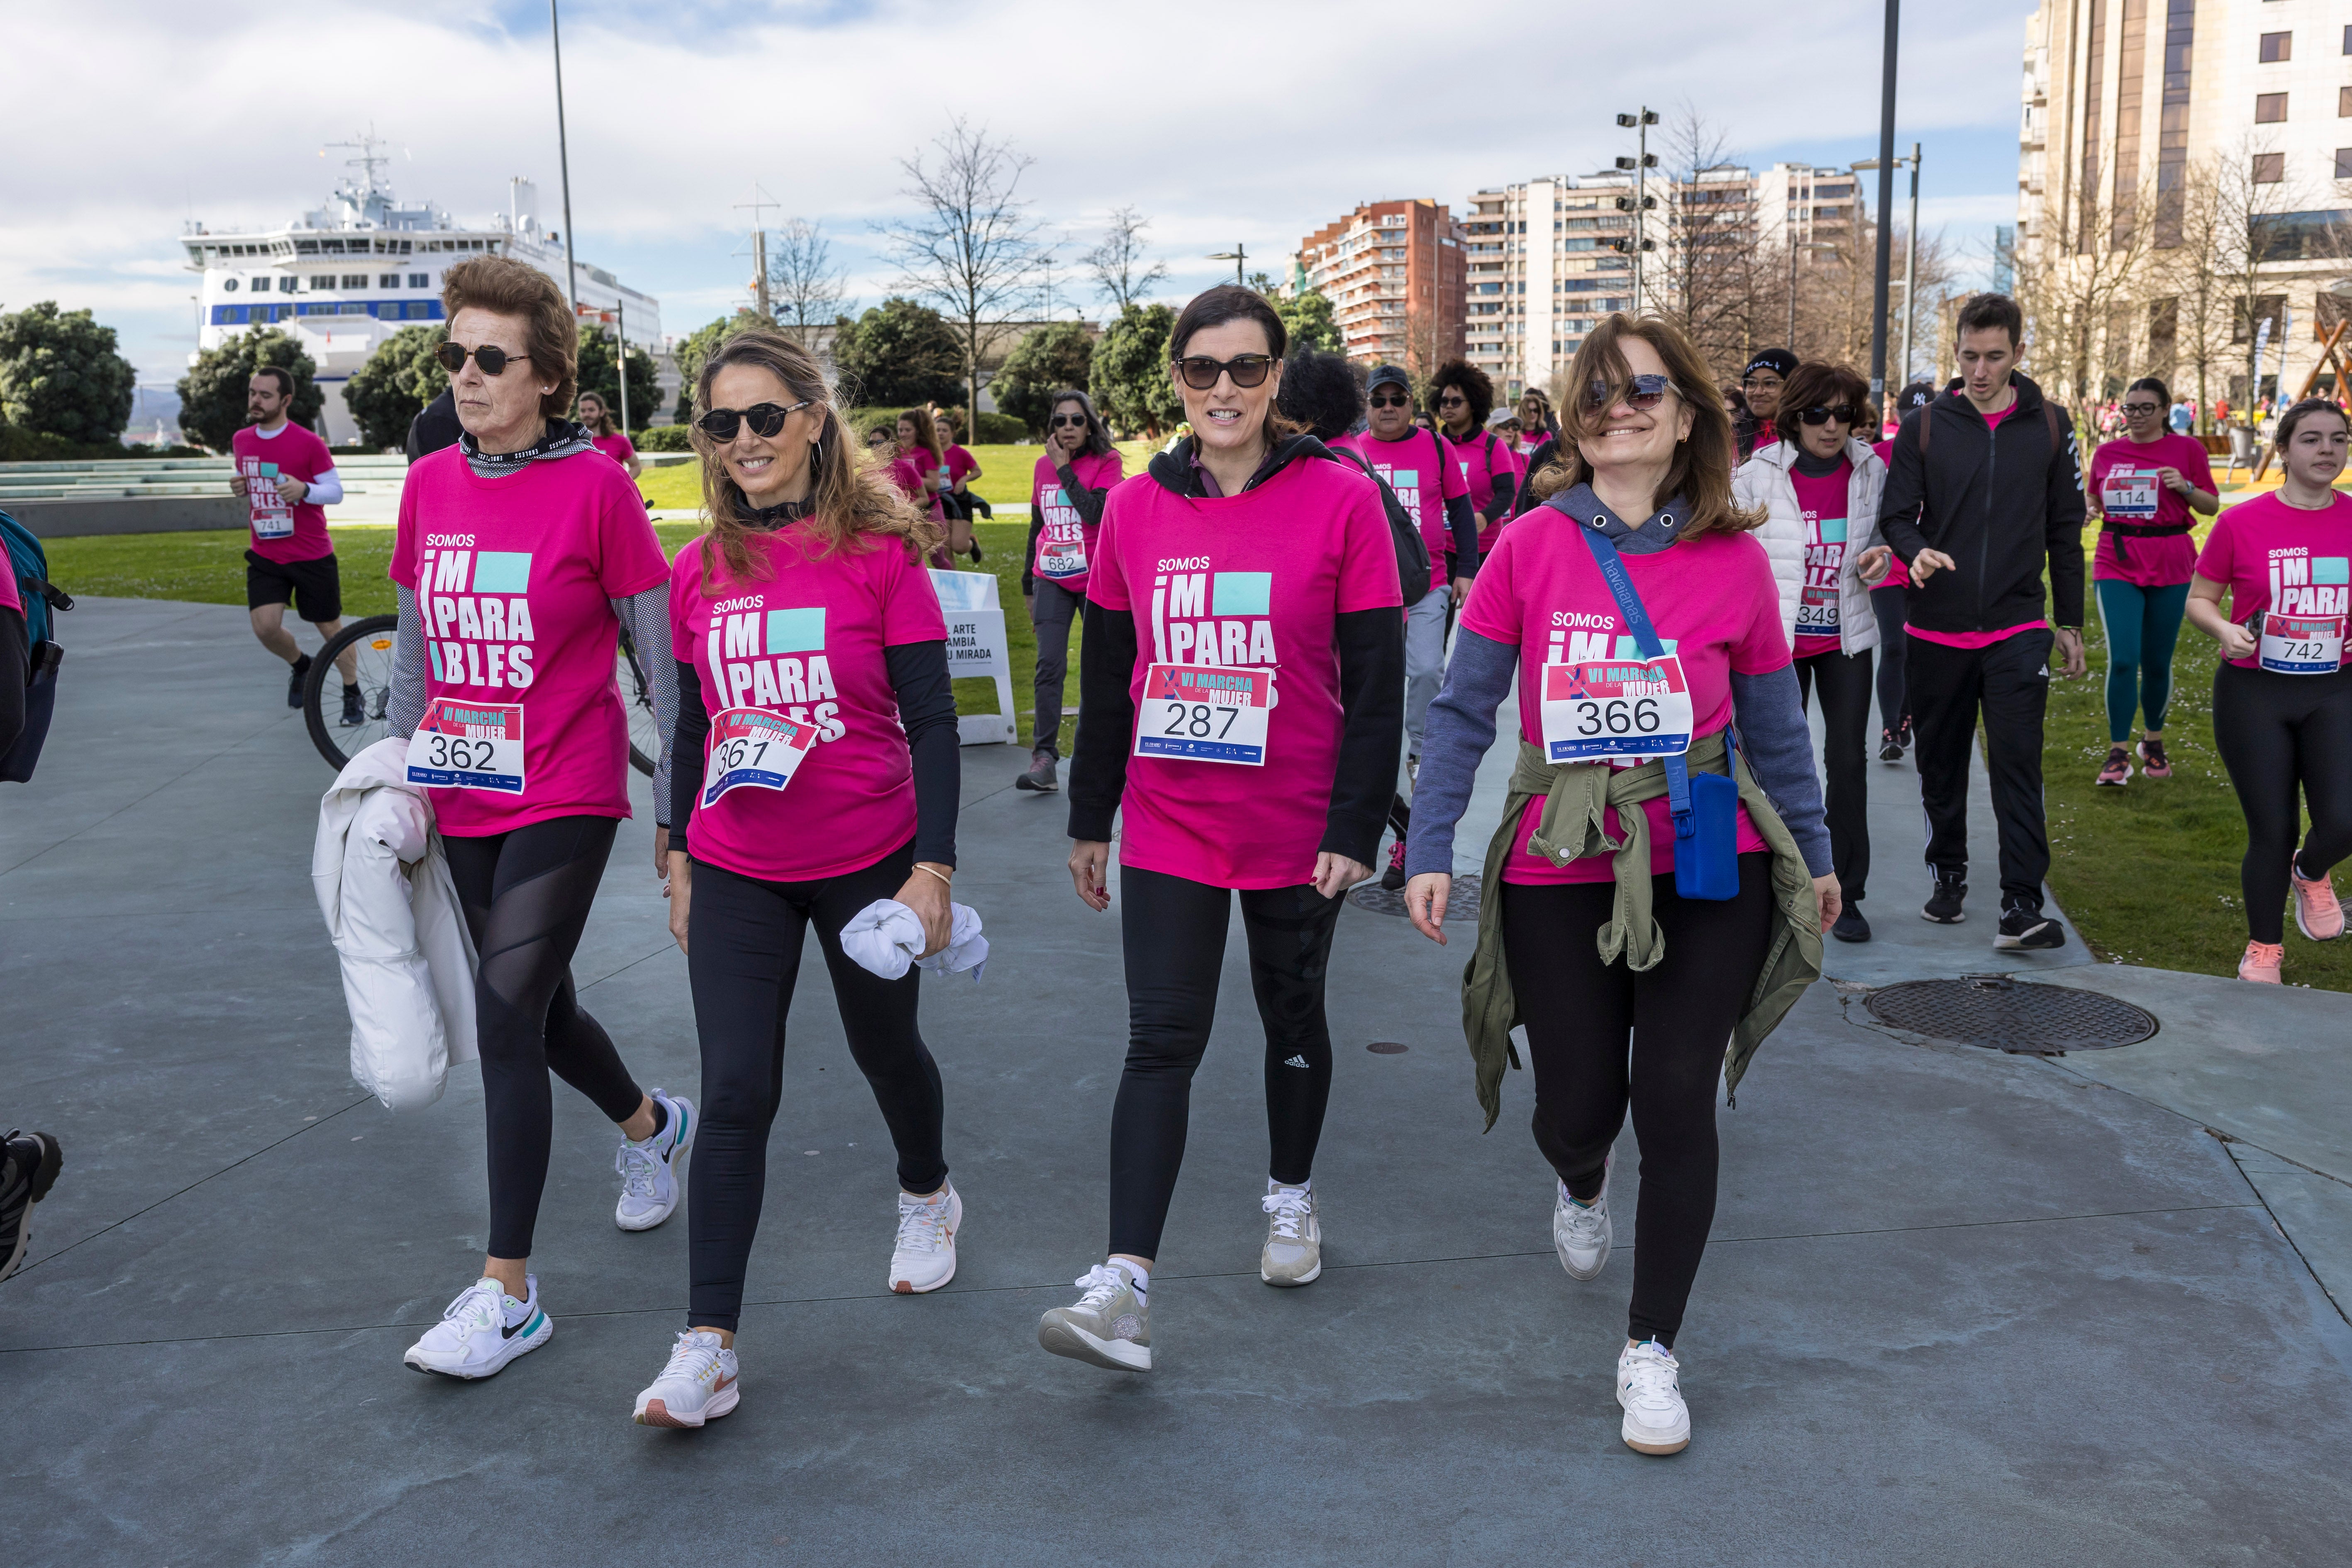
(700, 1384)
(1648, 1390)
(482, 1331)
(653, 1174)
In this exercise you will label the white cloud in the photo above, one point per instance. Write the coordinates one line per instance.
(1255, 129)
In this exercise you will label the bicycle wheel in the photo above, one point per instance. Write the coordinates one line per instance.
(369, 643)
(637, 698)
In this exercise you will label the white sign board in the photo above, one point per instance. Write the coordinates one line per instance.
(977, 651)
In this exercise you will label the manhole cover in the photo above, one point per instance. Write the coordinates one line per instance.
(1461, 904)
(1387, 1048)
(2006, 1014)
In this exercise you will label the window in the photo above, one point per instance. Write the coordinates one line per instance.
(2270, 168)
(2344, 163)
(2343, 101)
(229, 284)
(420, 279)
(2277, 46)
(2348, 40)
(286, 284)
(391, 279)
(354, 280)
(321, 283)
(2269, 108)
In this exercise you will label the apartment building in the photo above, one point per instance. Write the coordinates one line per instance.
(1798, 203)
(2126, 100)
(1541, 272)
(1393, 273)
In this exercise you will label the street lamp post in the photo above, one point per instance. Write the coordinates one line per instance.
(1910, 254)
(1641, 164)
(1886, 208)
(564, 157)
(620, 325)
(1237, 255)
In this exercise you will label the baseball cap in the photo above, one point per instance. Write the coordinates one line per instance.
(1388, 376)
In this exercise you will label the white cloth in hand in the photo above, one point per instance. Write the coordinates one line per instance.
(885, 936)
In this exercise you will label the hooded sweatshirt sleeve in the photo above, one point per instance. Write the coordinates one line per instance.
(2064, 510)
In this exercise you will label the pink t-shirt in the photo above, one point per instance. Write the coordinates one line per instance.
(615, 447)
(2273, 556)
(802, 638)
(1823, 501)
(1977, 640)
(1253, 581)
(2149, 562)
(514, 578)
(1488, 466)
(961, 465)
(1713, 602)
(1065, 543)
(281, 532)
(1897, 574)
(1526, 444)
(1408, 465)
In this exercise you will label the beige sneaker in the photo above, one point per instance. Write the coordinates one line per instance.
(1111, 1326)
(1294, 1240)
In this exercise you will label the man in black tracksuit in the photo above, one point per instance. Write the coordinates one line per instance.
(1983, 491)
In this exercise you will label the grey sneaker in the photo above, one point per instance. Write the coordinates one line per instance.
(1109, 1326)
(1294, 1239)
(1040, 777)
(1580, 1234)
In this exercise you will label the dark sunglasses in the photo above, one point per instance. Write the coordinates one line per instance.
(765, 419)
(1450, 398)
(1643, 394)
(1061, 420)
(1844, 414)
(1399, 401)
(493, 359)
(1201, 372)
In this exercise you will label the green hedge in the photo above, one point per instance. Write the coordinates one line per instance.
(995, 429)
(662, 439)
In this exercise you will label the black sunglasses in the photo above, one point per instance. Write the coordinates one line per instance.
(1061, 420)
(1201, 372)
(1643, 394)
(1399, 401)
(765, 418)
(493, 359)
(1450, 398)
(1844, 412)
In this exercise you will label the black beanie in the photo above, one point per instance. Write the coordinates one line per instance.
(1779, 362)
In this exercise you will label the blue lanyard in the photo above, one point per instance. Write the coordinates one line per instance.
(1645, 638)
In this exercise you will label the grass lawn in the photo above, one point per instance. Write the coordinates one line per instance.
(1005, 474)
(208, 568)
(2149, 872)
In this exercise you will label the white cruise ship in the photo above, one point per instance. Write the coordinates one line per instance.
(346, 276)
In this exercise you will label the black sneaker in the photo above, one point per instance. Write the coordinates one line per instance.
(354, 710)
(2024, 925)
(1851, 926)
(28, 1168)
(1392, 879)
(1890, 749)
(1944, 903)
(294, 682)
(1040, 777)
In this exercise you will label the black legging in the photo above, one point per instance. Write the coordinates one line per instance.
(1173, 932)
(1679, 1015)
(1892, 607)
(1051, 609)
(744, 939)
(2280, 736)
(526, 895)
(1844, 682)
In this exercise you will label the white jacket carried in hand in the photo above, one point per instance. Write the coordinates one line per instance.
(1763, 480)
(392, 911)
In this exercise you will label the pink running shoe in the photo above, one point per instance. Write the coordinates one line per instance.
(2116, 770)
(2317, 914)
(2262, 963)
(2152, 760)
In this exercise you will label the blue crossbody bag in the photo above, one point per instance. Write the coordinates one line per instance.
(1706, 807)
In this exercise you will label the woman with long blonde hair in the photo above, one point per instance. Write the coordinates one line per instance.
(816, 775)
(1638, 616)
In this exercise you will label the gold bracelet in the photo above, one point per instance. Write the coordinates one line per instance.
(921, 867)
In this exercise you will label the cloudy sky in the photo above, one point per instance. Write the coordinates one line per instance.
(1254, 124)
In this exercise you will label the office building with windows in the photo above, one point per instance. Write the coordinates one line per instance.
(1392, 271)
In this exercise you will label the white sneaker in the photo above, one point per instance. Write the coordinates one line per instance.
(1111, 1326)
(1293, 1237)
(653, 1174)
(482, 1331)
(924, 1258)
(698, 1384)
(1581, 1233)
(1656, 1419)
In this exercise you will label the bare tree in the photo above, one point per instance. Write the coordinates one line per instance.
(2254, 196)
(1117, 263)
(2080, 296)
(973, 251)
(804, 289)
(2191, 223)
(1710, 263)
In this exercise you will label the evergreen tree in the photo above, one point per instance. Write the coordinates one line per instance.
(212, 395)
(399, 379)
(59, 373)
(1049, 358)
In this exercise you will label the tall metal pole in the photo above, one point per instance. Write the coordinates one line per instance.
(564, 157)
(1885, 209)
(621, 316)
(1641, 189)
(1911, 266)
(1790, 225)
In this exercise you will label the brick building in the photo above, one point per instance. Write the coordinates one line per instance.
(1393, 273)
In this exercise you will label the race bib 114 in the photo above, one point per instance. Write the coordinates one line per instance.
(1204, 713)
(1620, 711)
(753, 748)
(2130, 494)
(2301, 645)
(468, 745)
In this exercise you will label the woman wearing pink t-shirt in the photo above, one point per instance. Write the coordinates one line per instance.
(1243, 681)
(816, 780)
(1073, 477)
(607, 437)
(2143, 486)
(1574, 883)
(519, 556)
(2283, 696)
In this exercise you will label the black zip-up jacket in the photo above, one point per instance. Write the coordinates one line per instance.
(1369, 644)
(2002, 501)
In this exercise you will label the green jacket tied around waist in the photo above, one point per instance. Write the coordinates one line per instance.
(1574, 827)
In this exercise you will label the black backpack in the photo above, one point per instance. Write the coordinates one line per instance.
(1411, 549)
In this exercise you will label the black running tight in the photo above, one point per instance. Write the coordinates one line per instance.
(526, 895)
(2282, 736)
(1600, 1038)
(744, 939)
(1174, 934)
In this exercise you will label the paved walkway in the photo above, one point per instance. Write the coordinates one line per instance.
(1961, 1308)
